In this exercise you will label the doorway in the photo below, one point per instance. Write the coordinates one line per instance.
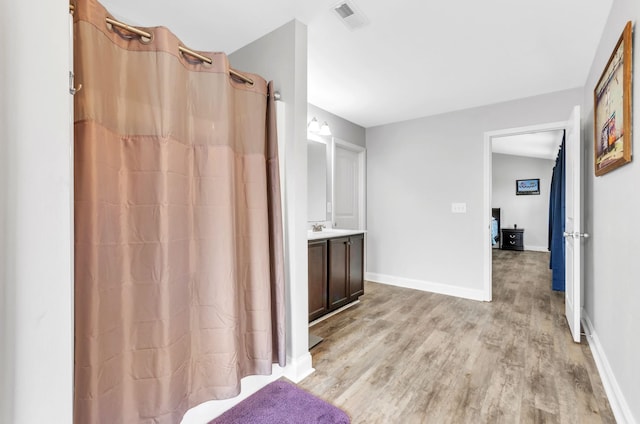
(489, 139)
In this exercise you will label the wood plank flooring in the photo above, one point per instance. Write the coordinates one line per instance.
(405, 356)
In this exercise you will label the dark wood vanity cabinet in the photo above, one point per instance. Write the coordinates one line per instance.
(343, 273)
(356, 266)
(338, 272)
(318, 304)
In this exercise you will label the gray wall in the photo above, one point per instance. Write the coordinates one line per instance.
(530, 212)
(417, 168)
(612, 209)
(281, 56)
(340, 127)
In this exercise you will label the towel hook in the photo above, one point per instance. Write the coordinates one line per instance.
(72, 89)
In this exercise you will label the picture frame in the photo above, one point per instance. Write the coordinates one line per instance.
(528, 187)
(612, 108)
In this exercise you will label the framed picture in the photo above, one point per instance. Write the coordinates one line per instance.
(531, 186)
(612, 109)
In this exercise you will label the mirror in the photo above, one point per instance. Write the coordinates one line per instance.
(317, 180)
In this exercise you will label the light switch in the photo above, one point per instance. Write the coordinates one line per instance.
(459, 208)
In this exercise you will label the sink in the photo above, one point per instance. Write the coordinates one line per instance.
(331, 232)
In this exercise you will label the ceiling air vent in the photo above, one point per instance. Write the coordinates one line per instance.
(350, 14)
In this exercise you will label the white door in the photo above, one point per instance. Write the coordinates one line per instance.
(573, 225)
(347, 188)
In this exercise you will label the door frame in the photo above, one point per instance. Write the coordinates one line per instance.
(362, 185)
(487, 192)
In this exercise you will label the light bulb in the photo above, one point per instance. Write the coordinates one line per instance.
(324, 129)
(314, 125)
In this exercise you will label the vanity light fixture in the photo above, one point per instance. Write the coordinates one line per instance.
(314, 127)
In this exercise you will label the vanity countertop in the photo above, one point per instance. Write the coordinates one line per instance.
(331, 233)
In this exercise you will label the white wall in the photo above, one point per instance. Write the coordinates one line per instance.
(612, 268)
(530, 212)
(7, 322)
(340, 127)
(416, 169)
(36, 295)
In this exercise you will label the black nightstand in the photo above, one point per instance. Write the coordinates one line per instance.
(513, 238)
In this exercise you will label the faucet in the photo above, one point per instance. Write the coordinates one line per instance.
(317, 227)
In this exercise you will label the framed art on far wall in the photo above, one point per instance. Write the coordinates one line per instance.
(530, 186)
(612, 108)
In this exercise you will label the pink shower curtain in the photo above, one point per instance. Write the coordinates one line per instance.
(179, 288)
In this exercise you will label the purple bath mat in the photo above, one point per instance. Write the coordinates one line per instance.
(282, 403)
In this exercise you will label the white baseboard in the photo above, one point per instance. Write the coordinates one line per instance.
(299, 369)
(537, 248)
(426, 286)
(618, 403)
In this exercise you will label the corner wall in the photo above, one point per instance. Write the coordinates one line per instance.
(612, 268)
(416, 170)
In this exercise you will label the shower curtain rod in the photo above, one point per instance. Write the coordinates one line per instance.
(182, 50)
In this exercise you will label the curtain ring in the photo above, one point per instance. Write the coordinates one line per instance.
(190, 59)
(195, 58)
(129, 34)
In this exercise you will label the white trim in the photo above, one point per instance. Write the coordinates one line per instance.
(300, 368)
(426, 286)
(486, 218)
(348, 145)
(619, 405)
(488, 136)
(536, 248)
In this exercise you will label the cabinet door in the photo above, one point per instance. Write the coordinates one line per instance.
(356, 267)
(317, 279)
(338, 277)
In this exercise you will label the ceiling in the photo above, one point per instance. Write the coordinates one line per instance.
(414, 58)
(542, 145)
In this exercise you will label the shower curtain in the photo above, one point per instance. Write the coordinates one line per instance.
(556, 222)
(179, 288)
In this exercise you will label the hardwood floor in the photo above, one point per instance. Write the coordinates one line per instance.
(405, 356)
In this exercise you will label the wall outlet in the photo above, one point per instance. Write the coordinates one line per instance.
(459, 208)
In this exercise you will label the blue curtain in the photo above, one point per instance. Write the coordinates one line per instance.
(556, 221)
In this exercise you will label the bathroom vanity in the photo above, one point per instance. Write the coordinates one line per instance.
(336, 270)
(336, 256)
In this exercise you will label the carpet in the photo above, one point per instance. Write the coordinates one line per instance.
(281, 402)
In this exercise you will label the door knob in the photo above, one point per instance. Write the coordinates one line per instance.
(575, 234)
